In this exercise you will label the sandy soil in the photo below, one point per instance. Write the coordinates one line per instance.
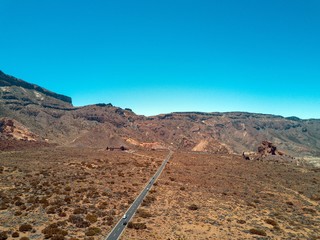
(203, 196)
(69, 193)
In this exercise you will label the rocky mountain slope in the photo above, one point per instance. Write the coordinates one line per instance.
(54, 119)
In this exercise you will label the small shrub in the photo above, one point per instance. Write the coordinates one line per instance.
(79, 211)
(53, 230)
(91, 218)
(182, 188)
(144, 214)
(24, 238)
(258, 232)
(25, 228)
(67, 199)
(4, 206)
(15, 234)
(62, 214)
(58, 237)
(93, 231)
(137, 226)
(68, 188)
(240, 221)
(44, 201)
(148, 200)
(193, 207)
(103, 205)
(315, 197)
(289, 203)
(309, 210)
(78, 221)
(3, 236)
(18, 213)
(51, 210)
(271, 222)
(18, 203)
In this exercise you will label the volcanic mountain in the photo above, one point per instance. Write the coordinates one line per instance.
(52, 118)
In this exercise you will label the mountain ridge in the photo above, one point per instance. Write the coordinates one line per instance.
(7, 80)
(102, 125)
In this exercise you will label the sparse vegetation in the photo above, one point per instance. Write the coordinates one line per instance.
(257, 232)
(91, 218)
(3, 236)
(15, 235)
(137, 225)
(143, 213)
(193, 207)
(25, 228)
(93, 231)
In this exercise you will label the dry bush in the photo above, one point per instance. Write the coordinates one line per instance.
(193, 207)
(148, 200)
(78, 221)
(58, 237)
(258, 232)
(18, 213)
(315, 197)
(51, 210)
(93, 231)
(3, 236)
(309, 210)
(271, 222)
(240, 221)
(182, 188)
(15, 235)
(44, 201)
(137, 226)
(24, 238)
(143, 213)
(92, 218)
(93, 194)
(80, 211)
(67, 199)
(25, 227)
(103, 205)
(53, 230)
(4, 206)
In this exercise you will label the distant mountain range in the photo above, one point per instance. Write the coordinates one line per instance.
(51, 117)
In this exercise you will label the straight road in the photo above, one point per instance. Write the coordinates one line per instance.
(122, 224)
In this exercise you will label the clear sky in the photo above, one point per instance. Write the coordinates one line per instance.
(169, 55)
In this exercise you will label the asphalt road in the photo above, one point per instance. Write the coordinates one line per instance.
(122, 224)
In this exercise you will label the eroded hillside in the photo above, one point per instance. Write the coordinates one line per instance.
(53, 118)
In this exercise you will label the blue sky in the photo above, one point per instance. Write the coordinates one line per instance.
(169, 55)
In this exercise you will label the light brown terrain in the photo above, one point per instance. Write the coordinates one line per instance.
(56, 192)
(212, 196)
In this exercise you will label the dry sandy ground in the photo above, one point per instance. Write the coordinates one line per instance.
(69, 193)
(203, 196)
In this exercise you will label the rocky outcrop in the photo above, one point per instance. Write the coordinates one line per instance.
(267, 148)
(11, 129)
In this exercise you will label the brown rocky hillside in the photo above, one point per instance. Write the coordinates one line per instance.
(53, 118)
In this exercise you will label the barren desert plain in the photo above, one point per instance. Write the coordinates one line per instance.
(81, 193)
